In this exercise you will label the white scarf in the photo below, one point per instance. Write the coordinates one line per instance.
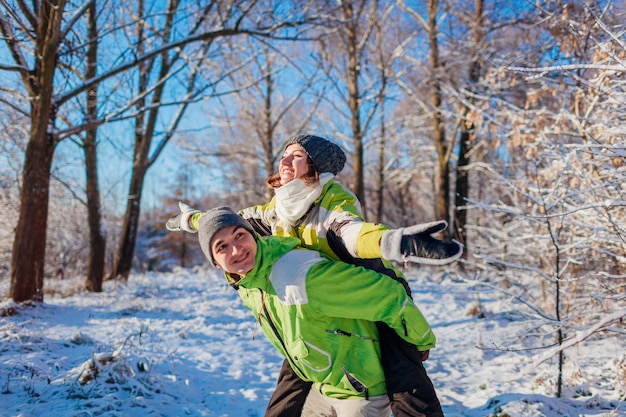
(295, 198)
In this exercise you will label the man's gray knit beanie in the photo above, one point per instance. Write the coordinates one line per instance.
(215, 220)
(326, 156)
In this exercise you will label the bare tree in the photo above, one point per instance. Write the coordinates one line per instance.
(148, 109)
(165, 65)
(271, 99)
(437, 74)
(13, 139)
(444, 149)
(467, 129)
(30, 240)
(97, 240)
(345, 56)
(383, 64)
(452, 88)
(46, 30)
(560, 207)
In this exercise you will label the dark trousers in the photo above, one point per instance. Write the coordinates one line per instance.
(410, 390)
(290, 394)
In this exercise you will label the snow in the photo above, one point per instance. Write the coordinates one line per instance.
(182, 344)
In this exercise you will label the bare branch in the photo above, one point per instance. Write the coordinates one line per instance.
(582, 336)
(573, 67)
(266, 33)
(16, 53)
(78, 13)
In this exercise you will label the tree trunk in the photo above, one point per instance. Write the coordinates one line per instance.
(128, 237)
(462, 188)
(267, 136)
(443, 175)
(97, 241)
(380, 186)
(466, 137)
(29, 246)
(353, 103)
(144, 134)
(442, 208)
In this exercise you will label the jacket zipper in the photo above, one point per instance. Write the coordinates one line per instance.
(277, 335)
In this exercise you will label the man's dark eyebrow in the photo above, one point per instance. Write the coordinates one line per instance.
(220, 240)
(235, 228)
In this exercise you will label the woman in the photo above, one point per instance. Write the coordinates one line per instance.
(310, 205)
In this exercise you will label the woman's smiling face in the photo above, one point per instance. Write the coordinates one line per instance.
(294, 164)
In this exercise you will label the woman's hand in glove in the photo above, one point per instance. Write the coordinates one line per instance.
(415, 244)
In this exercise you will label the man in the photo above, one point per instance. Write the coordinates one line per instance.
(319, 313)
(310, 204)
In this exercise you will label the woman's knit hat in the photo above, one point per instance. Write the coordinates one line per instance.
(326, 156)
(215, 220)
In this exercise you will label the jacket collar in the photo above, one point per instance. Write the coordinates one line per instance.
(269, 250)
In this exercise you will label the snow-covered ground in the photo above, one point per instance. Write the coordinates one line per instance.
(182, 344)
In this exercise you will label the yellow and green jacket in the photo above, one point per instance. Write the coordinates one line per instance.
(334, 226)
(320, 314)
(336, 212)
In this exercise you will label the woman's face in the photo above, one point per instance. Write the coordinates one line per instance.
(294, 164)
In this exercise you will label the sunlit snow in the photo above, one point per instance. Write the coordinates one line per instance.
(182, 344)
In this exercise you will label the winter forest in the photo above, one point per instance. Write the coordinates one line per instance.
(505, 118)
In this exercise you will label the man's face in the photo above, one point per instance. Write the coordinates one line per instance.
(293, 164)
(234, 250)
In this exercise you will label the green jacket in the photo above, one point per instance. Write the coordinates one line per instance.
(320, 315)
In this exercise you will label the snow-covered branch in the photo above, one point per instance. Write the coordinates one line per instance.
(581, 336)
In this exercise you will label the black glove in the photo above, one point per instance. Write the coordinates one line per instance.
(415, 244)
